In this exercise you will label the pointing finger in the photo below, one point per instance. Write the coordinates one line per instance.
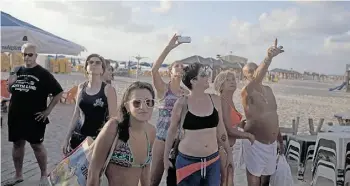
(276, 42)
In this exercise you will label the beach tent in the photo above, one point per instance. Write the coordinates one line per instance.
(14, 33)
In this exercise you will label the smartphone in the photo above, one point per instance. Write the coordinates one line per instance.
(184, 39)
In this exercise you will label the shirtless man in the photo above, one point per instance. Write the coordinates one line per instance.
(262, 121)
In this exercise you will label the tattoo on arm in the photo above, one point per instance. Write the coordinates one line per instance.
(223, 138)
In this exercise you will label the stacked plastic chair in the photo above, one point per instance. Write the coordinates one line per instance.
(347, 165)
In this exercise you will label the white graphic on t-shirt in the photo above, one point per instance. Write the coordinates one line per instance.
(98, 102)
(25, 83)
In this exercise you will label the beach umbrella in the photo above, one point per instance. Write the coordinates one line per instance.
(14, 33)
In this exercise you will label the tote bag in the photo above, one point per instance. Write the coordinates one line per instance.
(73, 169)
(283, 174)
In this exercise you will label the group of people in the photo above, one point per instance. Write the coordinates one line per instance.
(193, 138)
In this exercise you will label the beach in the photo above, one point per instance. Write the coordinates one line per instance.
(295, 98)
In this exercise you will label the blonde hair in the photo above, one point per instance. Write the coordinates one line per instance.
(220, 80)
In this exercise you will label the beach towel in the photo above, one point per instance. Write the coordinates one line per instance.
(73, 169)
(237, 152)
(259, 158)
(283, 174)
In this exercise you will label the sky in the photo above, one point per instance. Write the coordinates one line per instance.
(315, 35)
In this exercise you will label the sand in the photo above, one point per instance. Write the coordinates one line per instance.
(306, 99)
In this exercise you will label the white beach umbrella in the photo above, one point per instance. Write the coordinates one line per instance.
(14, 33)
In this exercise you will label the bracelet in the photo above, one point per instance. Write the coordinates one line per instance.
(267, 60)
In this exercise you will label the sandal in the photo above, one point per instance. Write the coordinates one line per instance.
(14, 181)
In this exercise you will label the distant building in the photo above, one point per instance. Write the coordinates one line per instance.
(286, 74)
(235, 59)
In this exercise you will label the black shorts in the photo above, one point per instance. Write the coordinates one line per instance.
(32, 132)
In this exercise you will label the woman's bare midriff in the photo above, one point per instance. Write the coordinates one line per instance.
(265, 129)
(199, 143)
(118, 175)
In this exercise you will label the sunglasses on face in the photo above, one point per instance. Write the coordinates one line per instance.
(138, 102)
(28, 54)
(95, 62)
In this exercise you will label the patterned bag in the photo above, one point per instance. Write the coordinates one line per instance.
(73, 169)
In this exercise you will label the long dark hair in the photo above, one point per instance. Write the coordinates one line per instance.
(124, 121)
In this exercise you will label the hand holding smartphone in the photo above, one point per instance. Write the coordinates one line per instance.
(183, 39)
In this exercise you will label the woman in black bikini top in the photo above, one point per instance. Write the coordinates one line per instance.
(198, 160)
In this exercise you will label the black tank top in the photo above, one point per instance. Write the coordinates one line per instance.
(95, 111)
(193, 122)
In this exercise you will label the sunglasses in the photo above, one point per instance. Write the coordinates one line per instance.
(28, 54)
(95, 62)
(204, 74)
(138, 102)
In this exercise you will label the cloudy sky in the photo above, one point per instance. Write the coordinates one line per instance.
(315, 35)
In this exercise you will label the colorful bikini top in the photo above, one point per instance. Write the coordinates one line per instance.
(124, 157)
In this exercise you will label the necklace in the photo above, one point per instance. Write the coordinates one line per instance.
(262, 94)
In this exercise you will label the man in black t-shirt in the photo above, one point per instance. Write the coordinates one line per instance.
(27, 117)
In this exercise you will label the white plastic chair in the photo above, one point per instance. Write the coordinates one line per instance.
(291, 152)
(325, 172)
(347, 170)
(325, 149)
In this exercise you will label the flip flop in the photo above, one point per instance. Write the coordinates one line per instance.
(13, 181)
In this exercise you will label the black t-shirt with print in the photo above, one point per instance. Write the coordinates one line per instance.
(29, 94)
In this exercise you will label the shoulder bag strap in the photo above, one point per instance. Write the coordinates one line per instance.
(115, 142)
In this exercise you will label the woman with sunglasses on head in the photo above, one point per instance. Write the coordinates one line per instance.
(131, 158)
(96, 102)
(198, 161)
(225, 85)
(168, 93)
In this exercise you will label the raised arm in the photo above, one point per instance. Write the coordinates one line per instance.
(102, 146)
(261, 71)
(158, 82)
(173, 128)
(112, 100)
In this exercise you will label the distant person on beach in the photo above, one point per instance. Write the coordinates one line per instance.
(108, 74)
(198, 160)
(131, 158)
(260, 108)
(168, 93)
(225, 85)
(96, 102)
(28, 113)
